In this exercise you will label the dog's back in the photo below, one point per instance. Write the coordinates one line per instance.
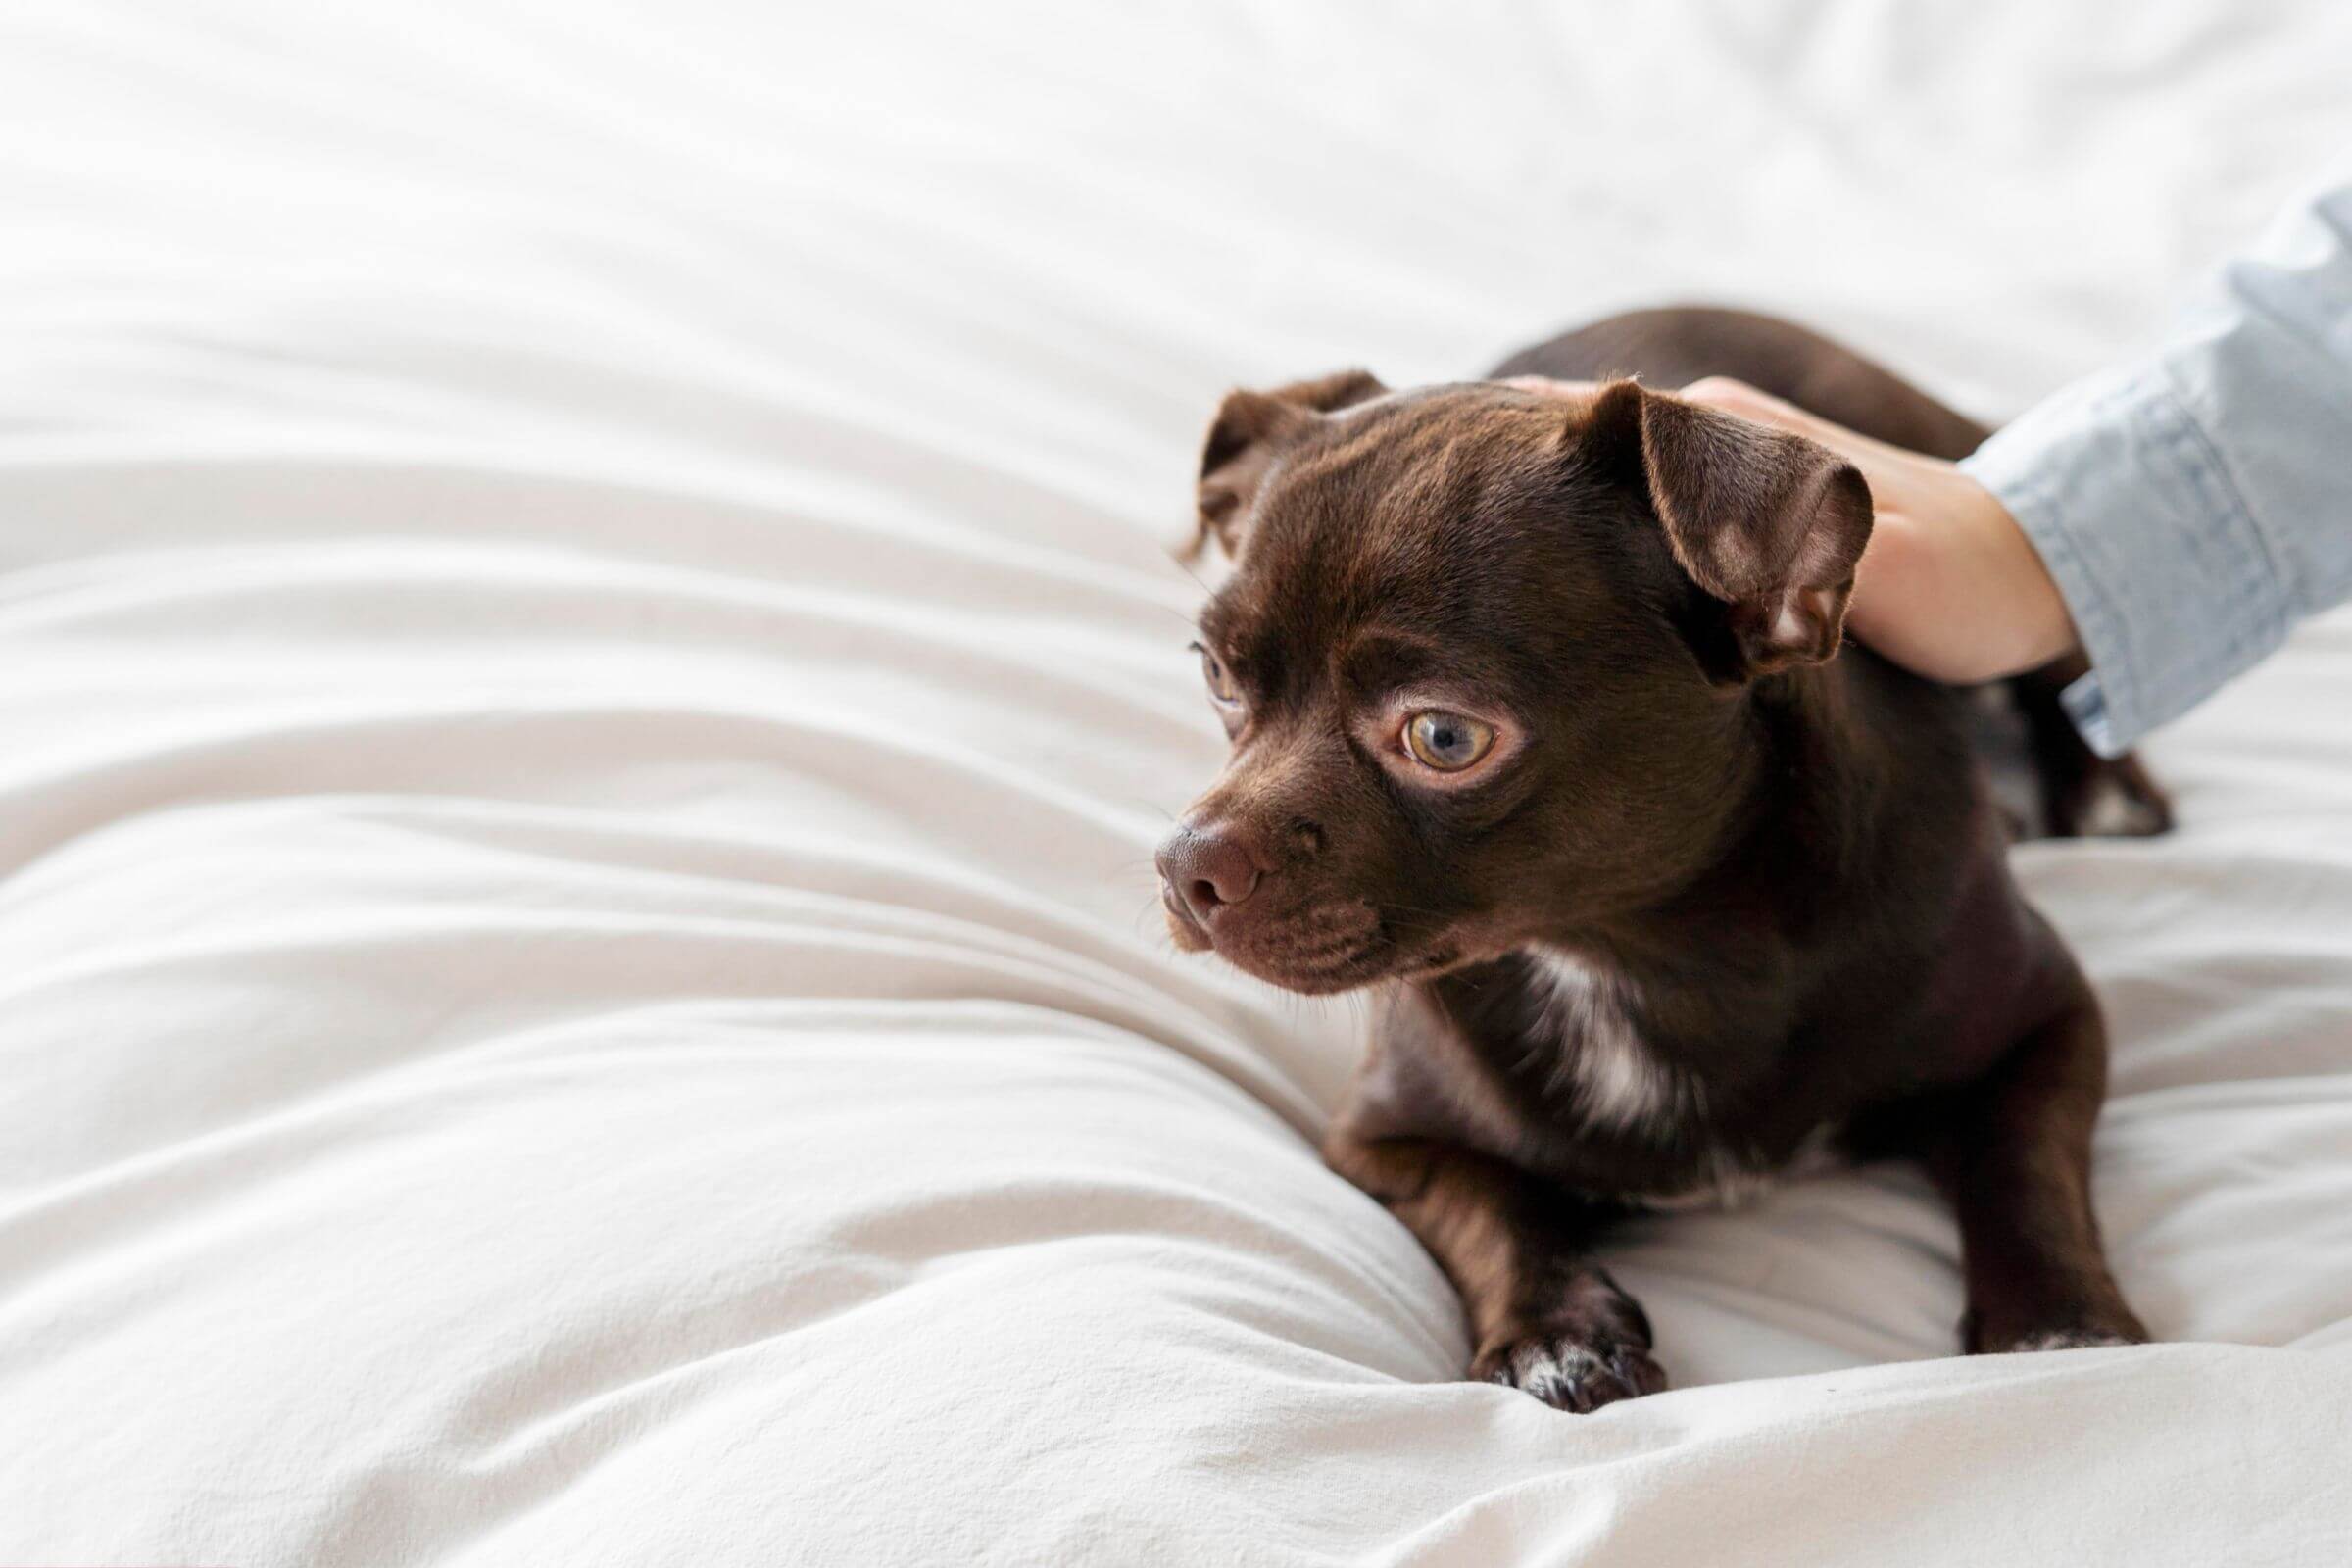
(1677, 345)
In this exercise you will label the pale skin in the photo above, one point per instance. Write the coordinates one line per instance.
(1948, 585)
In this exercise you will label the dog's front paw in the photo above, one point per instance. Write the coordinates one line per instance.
(1574, 1366)
(2089, 1329)
(2070, 1338)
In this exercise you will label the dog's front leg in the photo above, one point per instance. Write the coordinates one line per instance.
(1544, 1316)
(2015, 1157)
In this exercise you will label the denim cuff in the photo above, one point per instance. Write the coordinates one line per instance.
(2172, 585)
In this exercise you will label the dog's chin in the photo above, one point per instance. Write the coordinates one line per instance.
(1323, 979)
(1317, 965)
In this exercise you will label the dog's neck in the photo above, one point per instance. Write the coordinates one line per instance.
(1807, 794)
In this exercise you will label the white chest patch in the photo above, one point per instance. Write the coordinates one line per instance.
(1615, 1079)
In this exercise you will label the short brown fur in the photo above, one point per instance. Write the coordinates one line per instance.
(1715, 891)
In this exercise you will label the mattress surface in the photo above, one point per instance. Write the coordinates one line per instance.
(591, 674)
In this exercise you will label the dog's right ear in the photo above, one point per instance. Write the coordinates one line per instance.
(1249, 431)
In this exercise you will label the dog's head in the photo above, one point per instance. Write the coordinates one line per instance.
(1486, 655)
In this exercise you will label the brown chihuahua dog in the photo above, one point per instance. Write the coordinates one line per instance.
(1542, 725)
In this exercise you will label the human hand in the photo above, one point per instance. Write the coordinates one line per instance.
(1948, 585)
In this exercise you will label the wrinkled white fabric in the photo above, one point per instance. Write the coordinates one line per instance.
(588, 675)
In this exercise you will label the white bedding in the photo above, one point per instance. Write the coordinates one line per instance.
(588, 677)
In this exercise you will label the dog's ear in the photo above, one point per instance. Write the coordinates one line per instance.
(1249, 431)
(1768, 524)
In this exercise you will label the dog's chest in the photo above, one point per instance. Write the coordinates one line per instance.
(1603, 1067)
(1621, 1095)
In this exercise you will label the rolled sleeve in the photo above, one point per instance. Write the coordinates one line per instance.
(2170, 583)
(2192, 506)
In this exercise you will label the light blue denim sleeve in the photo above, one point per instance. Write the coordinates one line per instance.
(2194, 505)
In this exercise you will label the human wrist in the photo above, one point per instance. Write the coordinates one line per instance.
(2039, 628)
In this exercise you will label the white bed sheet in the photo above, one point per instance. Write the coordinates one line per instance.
(590, 676)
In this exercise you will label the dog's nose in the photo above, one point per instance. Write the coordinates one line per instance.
(1208, 870)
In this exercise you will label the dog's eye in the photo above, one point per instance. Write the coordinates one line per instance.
(1220, 680)
(1447, 742)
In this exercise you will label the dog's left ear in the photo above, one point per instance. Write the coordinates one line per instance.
(1768, 522)
(1249, 431)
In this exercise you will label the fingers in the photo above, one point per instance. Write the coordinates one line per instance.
(1545, 387)
(1716, 391)
(1735, 396)
(1738, 399)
